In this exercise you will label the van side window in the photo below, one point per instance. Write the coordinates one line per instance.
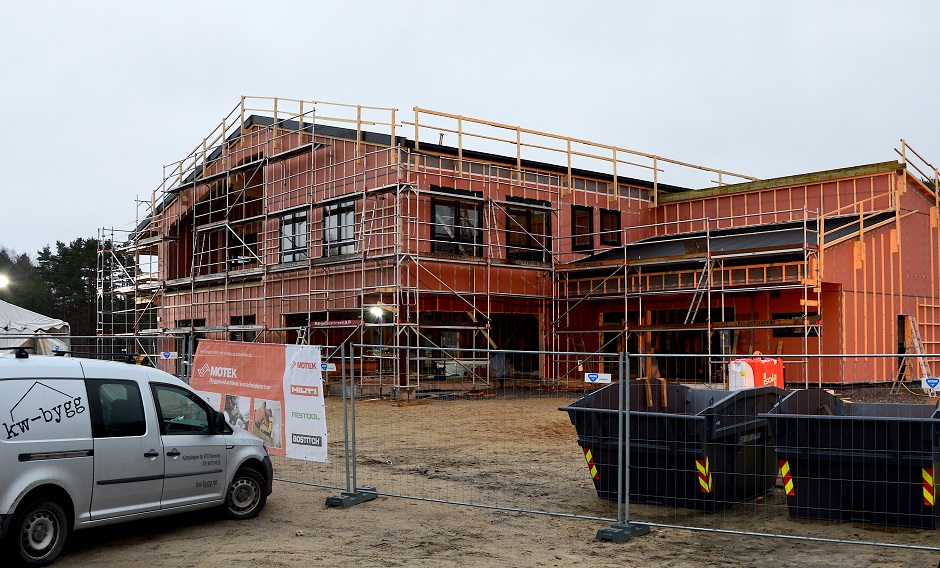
(117, 409)
(180, 411)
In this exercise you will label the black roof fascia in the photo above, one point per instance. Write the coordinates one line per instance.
(767, 239)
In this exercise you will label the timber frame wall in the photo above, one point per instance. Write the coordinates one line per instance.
(300, 221)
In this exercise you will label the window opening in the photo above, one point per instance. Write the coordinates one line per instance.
(294, 237)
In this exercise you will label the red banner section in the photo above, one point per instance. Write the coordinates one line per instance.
(243, 369)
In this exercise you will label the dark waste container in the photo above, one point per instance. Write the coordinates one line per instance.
(692, 448)
(867, 462)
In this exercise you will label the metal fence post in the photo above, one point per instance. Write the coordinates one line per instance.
(623, 530)
(353, 494)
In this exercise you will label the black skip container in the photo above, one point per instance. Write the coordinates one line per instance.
(866, 462)
(692, 448)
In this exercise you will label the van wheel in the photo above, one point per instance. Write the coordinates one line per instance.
(38, 532)
(245, 497)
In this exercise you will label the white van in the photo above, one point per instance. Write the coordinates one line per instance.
(86, 443)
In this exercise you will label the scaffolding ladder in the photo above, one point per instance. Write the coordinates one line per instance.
(701, 288)
(303, 335)
(914, 350)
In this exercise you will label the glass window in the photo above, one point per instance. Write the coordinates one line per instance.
(610, 227)
(294, 237)
(116, 408)
(339, 229)
(457, 227)
(582, 227)
(243, 334)
(528, 234)
(180, 411)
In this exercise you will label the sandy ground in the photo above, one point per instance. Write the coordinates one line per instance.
(505, 452)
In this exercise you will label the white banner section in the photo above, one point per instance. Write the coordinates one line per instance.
(305, 416)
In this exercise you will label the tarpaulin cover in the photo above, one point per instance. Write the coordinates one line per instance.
(21, 327)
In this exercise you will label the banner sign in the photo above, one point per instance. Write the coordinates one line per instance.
(272, 390)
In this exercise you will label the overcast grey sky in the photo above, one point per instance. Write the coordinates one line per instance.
(98, 95)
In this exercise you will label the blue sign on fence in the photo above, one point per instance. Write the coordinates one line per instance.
(597, 377)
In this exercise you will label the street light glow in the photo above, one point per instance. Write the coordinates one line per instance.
(376, 312)
(4, 281)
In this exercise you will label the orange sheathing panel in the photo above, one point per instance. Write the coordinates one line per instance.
(813, 199)
(724, 211)
(881, 286)
(798, 198)
(831, 334)
(844, 195)
(751, 206)
(688, 213)
(710, 209)
(662, 214)
(864, 191)
(867, 288)
(881, 184)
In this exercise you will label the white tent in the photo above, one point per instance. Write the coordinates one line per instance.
(21, 327)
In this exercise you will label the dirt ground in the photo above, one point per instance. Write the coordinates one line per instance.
(503, 452)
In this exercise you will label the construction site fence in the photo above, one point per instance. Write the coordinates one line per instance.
(699, 456)
(843, 461)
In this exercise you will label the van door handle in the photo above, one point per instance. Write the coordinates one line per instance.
(151, 454)
(174, 453)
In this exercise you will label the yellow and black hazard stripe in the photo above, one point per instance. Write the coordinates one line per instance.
(787, 478)
(590, 461)
(929, 487)
(704, 475)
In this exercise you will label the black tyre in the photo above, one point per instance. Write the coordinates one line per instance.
(245, 497)
(38, 532)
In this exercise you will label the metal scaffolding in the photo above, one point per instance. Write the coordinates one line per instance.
(314, 222)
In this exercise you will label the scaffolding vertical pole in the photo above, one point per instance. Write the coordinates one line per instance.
(708, 298)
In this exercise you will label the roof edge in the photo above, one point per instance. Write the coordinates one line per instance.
(799, 179)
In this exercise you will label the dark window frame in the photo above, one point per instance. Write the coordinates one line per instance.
(610, 235)
(241, 335)
(456, 237)
(293, 244)
(582, 237)
(344, 239)
(523, 241)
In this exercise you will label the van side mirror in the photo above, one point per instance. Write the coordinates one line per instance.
(219, 425)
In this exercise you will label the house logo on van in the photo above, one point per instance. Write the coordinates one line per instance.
(216, 371)
(39, 404)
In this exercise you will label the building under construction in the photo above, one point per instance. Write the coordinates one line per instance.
(443, 241)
